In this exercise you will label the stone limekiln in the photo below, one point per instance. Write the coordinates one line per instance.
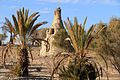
(56, 26)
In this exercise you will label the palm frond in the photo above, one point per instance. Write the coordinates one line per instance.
(58, 63)
(5, 52)
(83, 34)
(20, 24)
(15, 23)
(9, 25)
(71, 33)
(23, 11)
(76, 30)
(29, 27)
(32, 16)
(36, 26)
(26, 15)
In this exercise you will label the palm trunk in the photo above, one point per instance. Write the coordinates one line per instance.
(23, 62)
(11, 38)
(0, 42)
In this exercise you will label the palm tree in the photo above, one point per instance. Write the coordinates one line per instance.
(80, 67)
(21, 30)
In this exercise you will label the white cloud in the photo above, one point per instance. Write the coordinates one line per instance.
(60, 1)
(45, 11)
(106, 2)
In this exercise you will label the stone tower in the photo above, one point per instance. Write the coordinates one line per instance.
(57, 21)
(56, 28)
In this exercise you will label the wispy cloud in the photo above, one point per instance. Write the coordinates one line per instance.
(105, 2)
(60, 1)
(45, 11)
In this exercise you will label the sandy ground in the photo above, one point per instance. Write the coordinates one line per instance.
(41, 66)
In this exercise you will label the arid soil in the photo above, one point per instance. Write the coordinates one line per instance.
(41, 66)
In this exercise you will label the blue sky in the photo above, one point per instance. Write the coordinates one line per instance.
(96, 10)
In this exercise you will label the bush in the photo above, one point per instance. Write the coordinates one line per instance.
(108, 42)
(40, 33)
(79, 69)
(60, 41)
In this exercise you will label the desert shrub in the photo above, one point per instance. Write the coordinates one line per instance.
(60, 40)
(59, 37)
(41, 33)
(79, 69)
(108, 42)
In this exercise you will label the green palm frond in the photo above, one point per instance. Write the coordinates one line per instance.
(31, 17)
(80, 38)
(24, 24)
(20, 24)
(23, 11)
(79, 71)
(36, 26)
(89, 36)
(10, 26)
(31, 23)
(15, 23)
(26, 15)
(71, 33)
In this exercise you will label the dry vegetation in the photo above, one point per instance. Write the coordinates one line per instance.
(93, 53)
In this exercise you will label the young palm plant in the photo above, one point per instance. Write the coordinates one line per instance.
(80, 67)
(21, 30)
